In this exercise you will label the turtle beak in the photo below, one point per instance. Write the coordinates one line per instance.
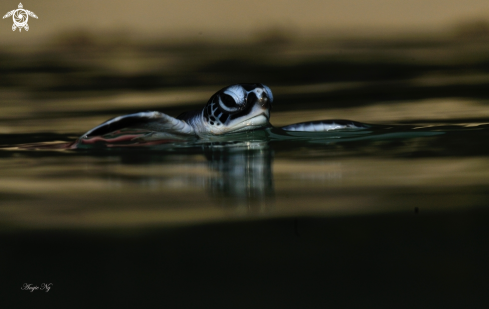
(265, 104)
(266, 98)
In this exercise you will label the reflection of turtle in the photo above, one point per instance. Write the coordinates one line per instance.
(236, 108)
(20, 17)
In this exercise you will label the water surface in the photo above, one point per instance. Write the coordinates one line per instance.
(430, 164)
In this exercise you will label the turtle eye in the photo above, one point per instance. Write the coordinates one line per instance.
(237, 93)
(228, 101)
(228, 104)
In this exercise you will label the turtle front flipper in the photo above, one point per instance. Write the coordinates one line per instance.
(31, 14)
(149, 121)
(9, 14)
(324, 125)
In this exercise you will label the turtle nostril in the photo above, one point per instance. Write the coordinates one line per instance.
(264, 102)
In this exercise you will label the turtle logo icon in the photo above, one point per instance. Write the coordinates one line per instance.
(20, 17)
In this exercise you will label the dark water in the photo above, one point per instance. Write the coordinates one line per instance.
(389, 216)
(392, 216)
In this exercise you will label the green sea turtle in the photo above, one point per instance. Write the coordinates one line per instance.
(20, 17)
(236, 108)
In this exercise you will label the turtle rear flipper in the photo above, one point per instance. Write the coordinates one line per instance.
(14, 27)
(26, 27)
(324, 125)
(151, 121)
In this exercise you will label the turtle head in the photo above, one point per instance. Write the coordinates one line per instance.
(237, 108)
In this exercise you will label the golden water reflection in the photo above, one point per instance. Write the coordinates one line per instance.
(74, 191)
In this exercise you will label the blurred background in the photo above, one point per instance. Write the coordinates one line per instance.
(237, 21)
(128, 55)
(389, 217)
